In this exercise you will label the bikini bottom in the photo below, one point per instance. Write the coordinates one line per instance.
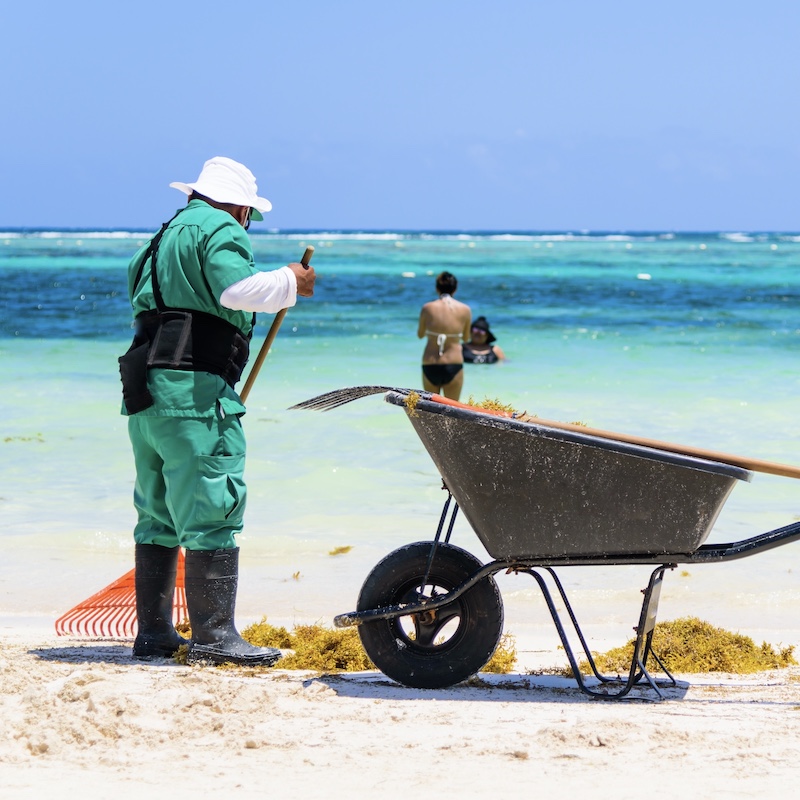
(441, 374)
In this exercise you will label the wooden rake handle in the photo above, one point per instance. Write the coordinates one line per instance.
(754, 464)
(271, 334)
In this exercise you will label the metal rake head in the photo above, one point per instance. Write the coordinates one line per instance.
(338, 397)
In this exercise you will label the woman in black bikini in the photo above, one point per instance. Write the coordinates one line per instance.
(445, 324)
(479, 350)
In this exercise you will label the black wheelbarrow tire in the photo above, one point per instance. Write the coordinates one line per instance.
(443, 647)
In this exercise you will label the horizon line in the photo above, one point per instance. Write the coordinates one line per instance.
(432, 231)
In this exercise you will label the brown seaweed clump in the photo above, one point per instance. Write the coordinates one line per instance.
(494, 404)
(412, 398)
(504, 658)
(326, 650)
(36, 438)
(690, 645)
(491, 404)
(314, 647)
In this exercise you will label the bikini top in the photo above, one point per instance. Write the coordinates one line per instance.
(441, 338)
(471, 357)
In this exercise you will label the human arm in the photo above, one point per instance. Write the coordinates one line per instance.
(264, 291)
(466, 334)
(423, 323)
(270, 291)
(498, 351)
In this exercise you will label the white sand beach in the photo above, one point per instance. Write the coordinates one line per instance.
(81, 718)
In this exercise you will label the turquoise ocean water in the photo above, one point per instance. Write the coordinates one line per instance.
(689, 338)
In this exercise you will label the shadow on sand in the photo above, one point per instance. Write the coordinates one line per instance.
(484, 687)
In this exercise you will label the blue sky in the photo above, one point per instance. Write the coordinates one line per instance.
(444, 114)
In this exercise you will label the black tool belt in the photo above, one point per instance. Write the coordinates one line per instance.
(180, 339)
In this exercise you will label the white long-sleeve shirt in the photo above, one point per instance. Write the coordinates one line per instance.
(265, 291)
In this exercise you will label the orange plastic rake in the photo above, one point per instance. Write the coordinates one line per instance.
(111, 612)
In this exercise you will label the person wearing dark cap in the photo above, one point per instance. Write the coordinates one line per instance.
(480, 348)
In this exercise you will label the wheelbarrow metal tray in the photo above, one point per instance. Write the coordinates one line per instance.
(531, 491)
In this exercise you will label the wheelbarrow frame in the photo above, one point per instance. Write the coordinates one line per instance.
(542, 568)
(539, 569)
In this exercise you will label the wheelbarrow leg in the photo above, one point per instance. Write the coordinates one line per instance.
(602, 678)
(642, 646)
(439, 530)
(645, 629)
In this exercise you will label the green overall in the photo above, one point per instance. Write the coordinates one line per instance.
(189, 446)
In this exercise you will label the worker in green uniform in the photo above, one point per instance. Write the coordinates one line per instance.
(195, 289)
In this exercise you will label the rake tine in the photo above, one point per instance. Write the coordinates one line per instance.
(323, 400)
(338, 397)
(342, 401)
(332, 403)
(111, 612)
(345, 395)
(356, 393)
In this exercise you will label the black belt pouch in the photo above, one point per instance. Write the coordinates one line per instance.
(133, 373)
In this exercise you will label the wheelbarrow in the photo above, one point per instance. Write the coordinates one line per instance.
(538, 495)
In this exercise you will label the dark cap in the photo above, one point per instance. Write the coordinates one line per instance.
(481, 323)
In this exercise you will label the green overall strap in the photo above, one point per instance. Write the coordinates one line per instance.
(151, 252)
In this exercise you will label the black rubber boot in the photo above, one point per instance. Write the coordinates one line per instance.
(156, 568)
(212, 577)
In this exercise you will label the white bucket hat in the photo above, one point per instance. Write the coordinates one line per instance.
(227, 181)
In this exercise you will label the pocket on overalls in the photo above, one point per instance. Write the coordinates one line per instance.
(221, 492)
